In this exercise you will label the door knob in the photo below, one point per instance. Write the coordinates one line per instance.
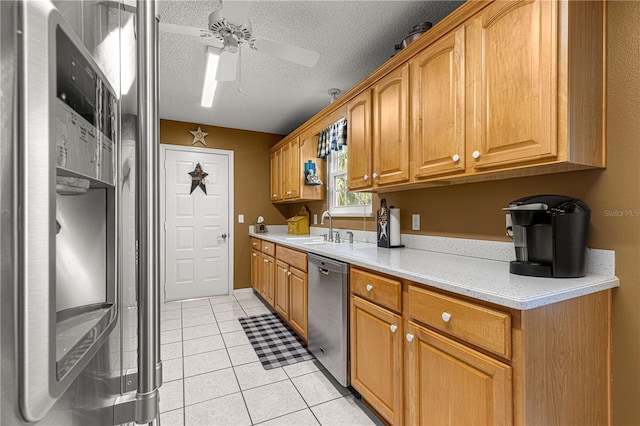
(288, 272)
(365, 177)
(446, 316)
(409, 337)
(455, 158)
(476, 154)
(375, 175)
(393, 328)
(369, 287)
(223, 236)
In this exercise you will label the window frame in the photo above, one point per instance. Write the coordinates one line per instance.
(342, 211)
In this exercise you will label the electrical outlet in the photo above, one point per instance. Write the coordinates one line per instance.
(315, 219)
(240, 218)
(415, 222)
(508, 225)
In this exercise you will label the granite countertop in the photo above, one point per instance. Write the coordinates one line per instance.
(487, 280)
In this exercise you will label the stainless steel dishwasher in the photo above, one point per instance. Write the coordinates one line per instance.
(328, 338)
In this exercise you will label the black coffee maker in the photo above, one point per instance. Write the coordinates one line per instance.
(550, 234)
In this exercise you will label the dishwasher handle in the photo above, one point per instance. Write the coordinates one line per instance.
(323, 271)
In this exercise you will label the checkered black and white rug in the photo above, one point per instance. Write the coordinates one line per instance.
(274, 342)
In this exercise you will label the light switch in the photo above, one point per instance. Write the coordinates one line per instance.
(240, 218)
(315, 219)
(415, 222)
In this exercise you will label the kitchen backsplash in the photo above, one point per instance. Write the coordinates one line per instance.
(598, 261)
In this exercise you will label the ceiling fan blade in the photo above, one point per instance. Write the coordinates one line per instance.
(296, 54)
(227, 66)
(236, 12)
(202, 33)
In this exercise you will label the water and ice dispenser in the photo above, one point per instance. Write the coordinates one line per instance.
(68, 197)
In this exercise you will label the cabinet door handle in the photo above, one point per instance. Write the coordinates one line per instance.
(393, 328)
(275, 195)
(254, 255)
(288, 272)
(288, 192)
(409, 337)
(369, 287)
(455, 158)
(476, 154)
(446, 316)
(265, 260)
(375, 175)
(365, 177)
(266, 247)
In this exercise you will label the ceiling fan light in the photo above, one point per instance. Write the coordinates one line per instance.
(230, 43)
(210, 83)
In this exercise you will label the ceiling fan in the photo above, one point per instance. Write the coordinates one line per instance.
(228, 29)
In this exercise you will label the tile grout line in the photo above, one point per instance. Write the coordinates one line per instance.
(184, 385)
(305, 401)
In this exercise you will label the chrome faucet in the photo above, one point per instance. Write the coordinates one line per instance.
(350, 234)
(326, 213)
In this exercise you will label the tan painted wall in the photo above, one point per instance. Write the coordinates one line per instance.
(251, 171)
(473, 210)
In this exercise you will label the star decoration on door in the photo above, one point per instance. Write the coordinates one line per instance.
(197, 178)
(198, 136)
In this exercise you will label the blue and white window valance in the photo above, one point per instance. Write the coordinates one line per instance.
(333, 138)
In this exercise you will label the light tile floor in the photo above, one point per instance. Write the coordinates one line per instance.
(212, 375)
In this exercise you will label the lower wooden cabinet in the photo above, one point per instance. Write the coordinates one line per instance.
(451, 384)
(268, 276)
(281, 294)
(376, 358)
(282, 282)
(298, 302)
(256, 258)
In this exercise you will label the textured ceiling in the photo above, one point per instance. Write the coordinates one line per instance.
(353, 38)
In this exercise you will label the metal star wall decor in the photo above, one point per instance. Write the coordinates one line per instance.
(197, 178)
(198, 136)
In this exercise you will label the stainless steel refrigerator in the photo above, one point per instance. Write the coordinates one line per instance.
(78, 226)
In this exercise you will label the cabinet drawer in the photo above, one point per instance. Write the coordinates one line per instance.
(295, 258)
(268, 248)
(255, 244)
(481, 326)
(376, 288)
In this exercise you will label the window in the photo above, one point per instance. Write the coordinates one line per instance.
(341, 202)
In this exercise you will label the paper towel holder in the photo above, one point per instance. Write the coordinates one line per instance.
(383, 220)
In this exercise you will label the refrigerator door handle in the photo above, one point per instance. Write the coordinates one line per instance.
(143, 405)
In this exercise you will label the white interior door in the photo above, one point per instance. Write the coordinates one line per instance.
(197, 243)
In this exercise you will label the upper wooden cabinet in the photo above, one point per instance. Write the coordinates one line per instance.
(538, 85)
(497, 89)
(515, 78)
(291, 169)
(438, 107)
(276, 175)
(390, 128)
(378, 133)
(287, 170)
(359, 142)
